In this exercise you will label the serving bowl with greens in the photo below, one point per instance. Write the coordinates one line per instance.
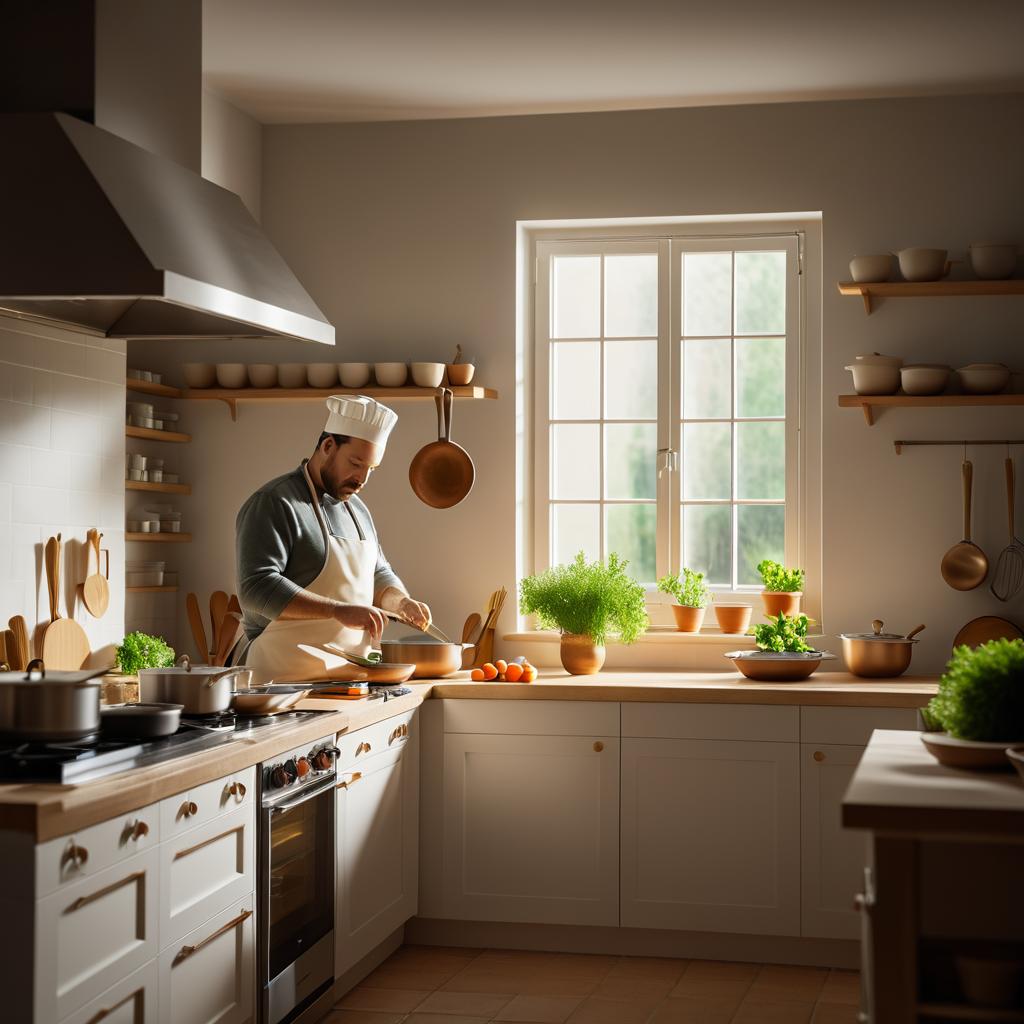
(783, 654)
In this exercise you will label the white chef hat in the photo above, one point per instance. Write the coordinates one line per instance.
(359, 416)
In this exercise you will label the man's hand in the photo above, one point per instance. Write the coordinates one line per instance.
(401, 604)
(360, 616)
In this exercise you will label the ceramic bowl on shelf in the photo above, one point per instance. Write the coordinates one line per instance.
(460, 374)
(232, 375)
(354, 375)
(390, 375)
(322, 375)
(427, 375)
(993, 261)
(876, 374)
(920, 264)
(871, 269)
(200, 375)
(774, 667)
(291, 375)
(984, 378)
(263, 375)
(924, 378)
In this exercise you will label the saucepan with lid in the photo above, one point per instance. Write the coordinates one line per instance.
(200, 689)
(876, 654)
(49, 707)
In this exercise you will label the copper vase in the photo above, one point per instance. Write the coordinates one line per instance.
(580, 655)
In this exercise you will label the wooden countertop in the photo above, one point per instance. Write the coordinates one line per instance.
(48, 810)
(899, 788)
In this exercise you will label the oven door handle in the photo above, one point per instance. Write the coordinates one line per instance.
(309, 794)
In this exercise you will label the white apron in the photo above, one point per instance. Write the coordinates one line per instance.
(293, 649)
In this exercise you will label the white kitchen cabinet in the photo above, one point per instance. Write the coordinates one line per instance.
(93, 933)
(710, 835)
(209, 976)
(531, 825)
(133, 1000)
(833, 858)
(185, 811)
(377, 842)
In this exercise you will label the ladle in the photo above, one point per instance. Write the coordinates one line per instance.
(964, 565)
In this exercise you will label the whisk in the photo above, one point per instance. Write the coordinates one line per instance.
(1009, 573)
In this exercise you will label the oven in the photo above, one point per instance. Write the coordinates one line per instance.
(295, 868)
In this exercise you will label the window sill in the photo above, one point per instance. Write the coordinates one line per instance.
(660, 635)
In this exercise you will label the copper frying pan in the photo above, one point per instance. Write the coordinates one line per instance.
(442, 473)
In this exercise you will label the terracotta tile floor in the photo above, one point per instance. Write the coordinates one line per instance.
(435, 985)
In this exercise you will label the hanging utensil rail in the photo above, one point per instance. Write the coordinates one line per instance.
(900, 445)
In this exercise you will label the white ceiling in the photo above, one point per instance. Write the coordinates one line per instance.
(382, 60)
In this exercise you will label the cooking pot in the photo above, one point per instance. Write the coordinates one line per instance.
(200, 689)
(876, 654)
(40, 707)
(433, 660)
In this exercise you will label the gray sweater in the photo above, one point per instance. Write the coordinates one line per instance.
(280, 550)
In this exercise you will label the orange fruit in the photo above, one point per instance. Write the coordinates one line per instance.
(529, 674)
(477, 675)
(490, 671)
(513, 673)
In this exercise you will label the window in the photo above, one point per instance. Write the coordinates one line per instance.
(666, 406)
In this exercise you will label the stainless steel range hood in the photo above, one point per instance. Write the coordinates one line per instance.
(103, 236)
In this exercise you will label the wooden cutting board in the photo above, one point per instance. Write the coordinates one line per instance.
(65, 645)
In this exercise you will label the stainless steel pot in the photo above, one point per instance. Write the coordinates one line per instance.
(433, 660)
(40, 706)
(876, 654)
(200, 689)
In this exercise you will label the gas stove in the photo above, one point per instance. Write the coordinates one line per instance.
(87, 760)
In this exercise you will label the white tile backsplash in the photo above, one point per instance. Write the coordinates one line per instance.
(62, 404)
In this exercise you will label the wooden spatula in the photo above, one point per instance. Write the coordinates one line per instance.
(228, 632)
(65, 645)
(17, 643)
(195, 620)
(218, 609)
(95, 589)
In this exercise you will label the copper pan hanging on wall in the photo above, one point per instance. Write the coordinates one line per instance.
(442, 473)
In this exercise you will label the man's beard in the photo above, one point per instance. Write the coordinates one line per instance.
(342, 490)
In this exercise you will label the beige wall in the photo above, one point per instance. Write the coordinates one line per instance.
(232, 150)
(405, 235)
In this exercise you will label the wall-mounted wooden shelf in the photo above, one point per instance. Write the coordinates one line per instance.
(867, 403)
(151, 590)
(232, 396)
(160, 538)
(145, 434)
(147, 387)
(928, 289)
(148, 485)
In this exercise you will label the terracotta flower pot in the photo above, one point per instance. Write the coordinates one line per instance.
(688, 620)
(776, 601)
(580, 655)
(733, 618)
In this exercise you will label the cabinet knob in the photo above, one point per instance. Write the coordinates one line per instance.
(819, 756)
(236, 789)
(76, 855)
(141, 829)
(188, 808)
(363, 748)
(598, 746)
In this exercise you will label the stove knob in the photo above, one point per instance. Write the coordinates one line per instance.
(280, 777)
(303, 767)
(323, 760)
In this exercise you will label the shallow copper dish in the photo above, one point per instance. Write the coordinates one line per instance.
(772, 667)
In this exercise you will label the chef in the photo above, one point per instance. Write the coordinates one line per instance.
(311, 575)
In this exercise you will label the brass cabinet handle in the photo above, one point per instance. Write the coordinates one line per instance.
(355, 777)
(236, 789)
(598, 746)
(186, 951)
(819, 756)
(363, 748)
(188, 808)
(108, 1010)
(92, 897)
(76, 854)
(188, 851)
(405, 730)
(141, 829)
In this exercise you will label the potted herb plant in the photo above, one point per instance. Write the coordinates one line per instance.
(691, 594)
(587, 602)
(783, 588)
(783, 653)
(139, 650)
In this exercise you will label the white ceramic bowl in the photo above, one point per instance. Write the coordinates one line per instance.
(877, 359)
(984, 378)
(922, 264)
(322, 375)
(924, 378)
(427, 375)
(263, 375)
(354, 375)
(390, 375)
(200, 375)
(992, 261)
(141, 409)
(865, 269)
(291, 375)
(136, 461)
(231, 375)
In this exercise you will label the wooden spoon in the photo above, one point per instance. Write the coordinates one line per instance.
(95, 590)
(65, 645)
(218, 609)
(471, 626)
(195, 620)
(964, 565)
(17, 643)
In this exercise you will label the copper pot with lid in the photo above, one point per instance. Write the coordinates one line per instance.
(877, 655)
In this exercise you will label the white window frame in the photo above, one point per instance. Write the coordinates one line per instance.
(800, 235)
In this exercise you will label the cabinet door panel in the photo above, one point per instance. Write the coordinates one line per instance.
(92, 934)
(208, 977)
(131, 1001)
(833, 857)
(710, 836)
(531, 828)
